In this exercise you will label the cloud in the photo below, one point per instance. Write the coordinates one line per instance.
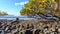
(21, 3)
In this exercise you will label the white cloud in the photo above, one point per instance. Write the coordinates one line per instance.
(21, 3)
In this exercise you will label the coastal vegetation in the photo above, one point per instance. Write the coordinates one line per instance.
(2, 13)
(41, 7)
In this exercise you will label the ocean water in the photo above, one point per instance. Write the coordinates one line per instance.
(10, 17)
(19, 18)
(14, 18)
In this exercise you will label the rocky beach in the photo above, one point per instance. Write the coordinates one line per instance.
(41, 26)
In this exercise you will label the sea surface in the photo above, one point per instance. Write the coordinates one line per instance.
(14, 17)
(11, 17)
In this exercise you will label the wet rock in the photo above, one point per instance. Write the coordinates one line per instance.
(28, 32)
(46, 27)
(37, 31)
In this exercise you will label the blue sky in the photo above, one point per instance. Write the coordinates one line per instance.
(12, 7)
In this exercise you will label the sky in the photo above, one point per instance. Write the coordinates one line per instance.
(12, 7)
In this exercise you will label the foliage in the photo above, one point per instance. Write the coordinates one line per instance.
(41, 7)
(2, 13)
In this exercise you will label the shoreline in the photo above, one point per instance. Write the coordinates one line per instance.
(13, 26)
